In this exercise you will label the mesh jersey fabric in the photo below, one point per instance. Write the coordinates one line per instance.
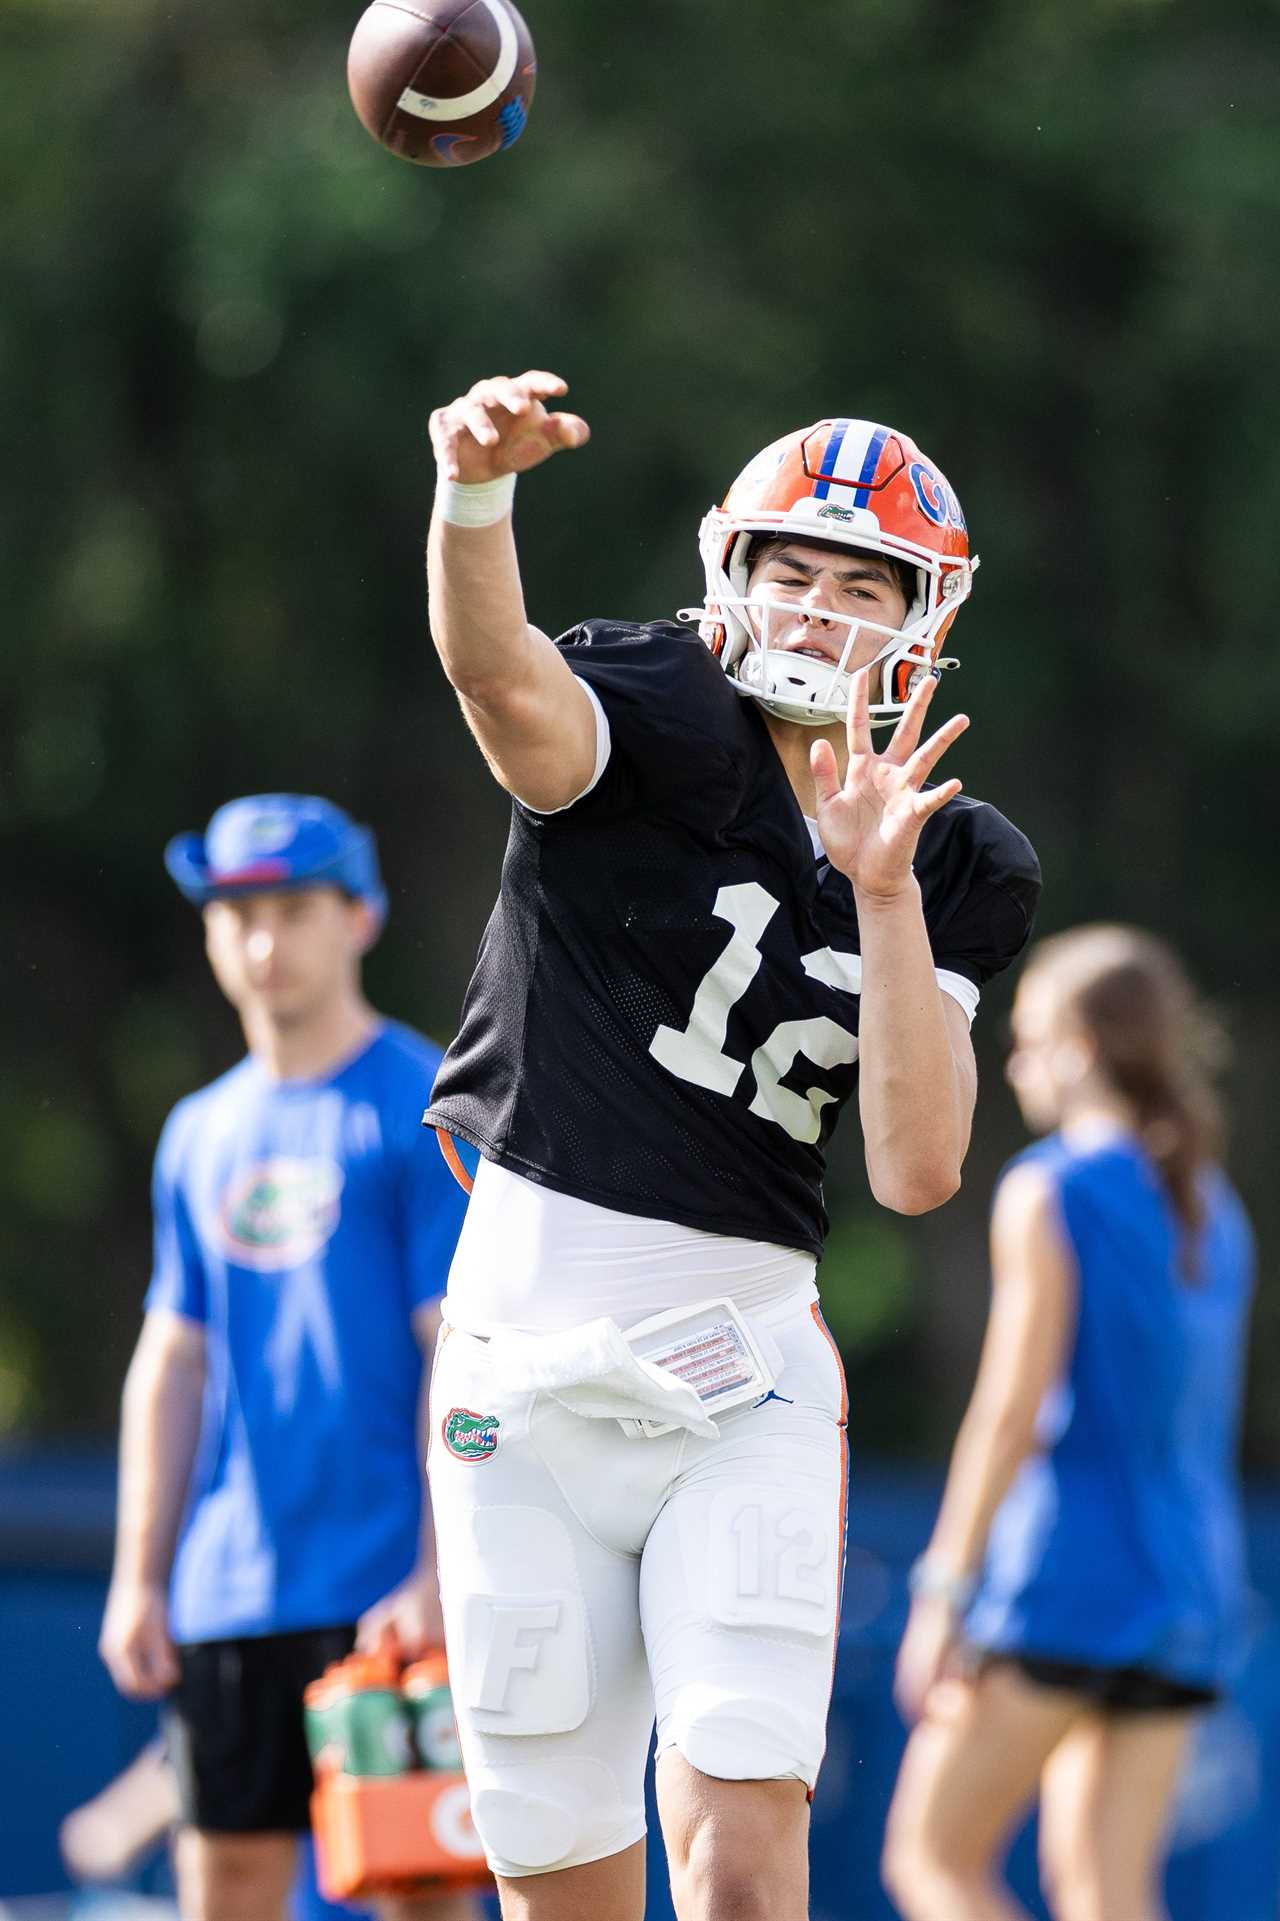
(625, 923)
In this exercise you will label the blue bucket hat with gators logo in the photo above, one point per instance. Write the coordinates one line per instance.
(277, 841)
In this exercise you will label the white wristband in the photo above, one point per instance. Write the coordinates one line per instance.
(482, 504)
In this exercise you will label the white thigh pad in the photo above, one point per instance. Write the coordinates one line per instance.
(525, 1661)
(772, 1561)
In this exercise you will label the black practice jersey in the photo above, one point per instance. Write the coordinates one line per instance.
(664, 1014)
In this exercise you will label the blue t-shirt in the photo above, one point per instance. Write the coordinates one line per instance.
(1120, 1541)
(302, 1223)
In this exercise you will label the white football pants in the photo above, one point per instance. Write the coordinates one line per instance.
(591, 1580)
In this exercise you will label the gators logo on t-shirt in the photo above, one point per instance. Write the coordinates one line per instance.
(280, 1212)
(472, 1437)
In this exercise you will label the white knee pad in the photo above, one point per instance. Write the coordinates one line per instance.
(549, 1811)
(735, 1736)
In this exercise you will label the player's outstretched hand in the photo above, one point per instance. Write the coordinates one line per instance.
(503, 426)
(135, 1641)
(870, 822)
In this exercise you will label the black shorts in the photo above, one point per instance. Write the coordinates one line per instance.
(234, 1729)
(1132, 1690)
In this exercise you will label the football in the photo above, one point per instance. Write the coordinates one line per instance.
(442, 82)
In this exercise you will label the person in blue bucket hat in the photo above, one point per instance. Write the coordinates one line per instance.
(277, 841)
(271, 1510)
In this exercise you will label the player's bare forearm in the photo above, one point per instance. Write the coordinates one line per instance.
(530, 717)
(917, 1083)
(159, 1431)
(476, 604)
(532, 720)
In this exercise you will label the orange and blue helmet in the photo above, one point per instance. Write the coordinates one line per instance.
(844, 483)
(270, 842)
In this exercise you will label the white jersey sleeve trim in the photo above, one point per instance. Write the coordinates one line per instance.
(959, 989)
(604, 746)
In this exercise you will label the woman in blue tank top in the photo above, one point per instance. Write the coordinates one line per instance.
(1083, 1589)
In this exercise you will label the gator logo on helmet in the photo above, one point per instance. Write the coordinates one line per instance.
(472, 1437)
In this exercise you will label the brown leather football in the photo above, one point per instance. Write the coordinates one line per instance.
(442, 82)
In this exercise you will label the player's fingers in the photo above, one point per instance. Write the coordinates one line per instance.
(444, 443)
(906, 735)
(546, 385)
(927, 756)
(475, 421)
(825, 771)
(514, 395)
(503, 395)
(566, 430)
(859, 724)
(927, 804)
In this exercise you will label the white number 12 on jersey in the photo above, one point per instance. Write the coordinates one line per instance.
(695, 1053)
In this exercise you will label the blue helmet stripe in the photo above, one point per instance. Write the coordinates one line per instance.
(830, 457)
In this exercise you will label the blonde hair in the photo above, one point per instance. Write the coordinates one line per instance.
(1155, 1046)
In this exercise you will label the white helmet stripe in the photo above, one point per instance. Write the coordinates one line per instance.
(856, 461)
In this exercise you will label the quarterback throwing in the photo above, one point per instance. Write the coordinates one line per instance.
(721, 913)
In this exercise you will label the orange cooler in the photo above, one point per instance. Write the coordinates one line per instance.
(384, 1832)
(388, 1835)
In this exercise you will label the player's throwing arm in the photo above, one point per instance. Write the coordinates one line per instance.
(534, 723)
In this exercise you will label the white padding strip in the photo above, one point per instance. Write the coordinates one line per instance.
(424, 106)
(959, 989)
(604, 746)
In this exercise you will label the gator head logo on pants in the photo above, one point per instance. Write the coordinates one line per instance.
(472, 1437)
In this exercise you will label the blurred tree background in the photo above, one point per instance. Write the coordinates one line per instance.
(1043, 237)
